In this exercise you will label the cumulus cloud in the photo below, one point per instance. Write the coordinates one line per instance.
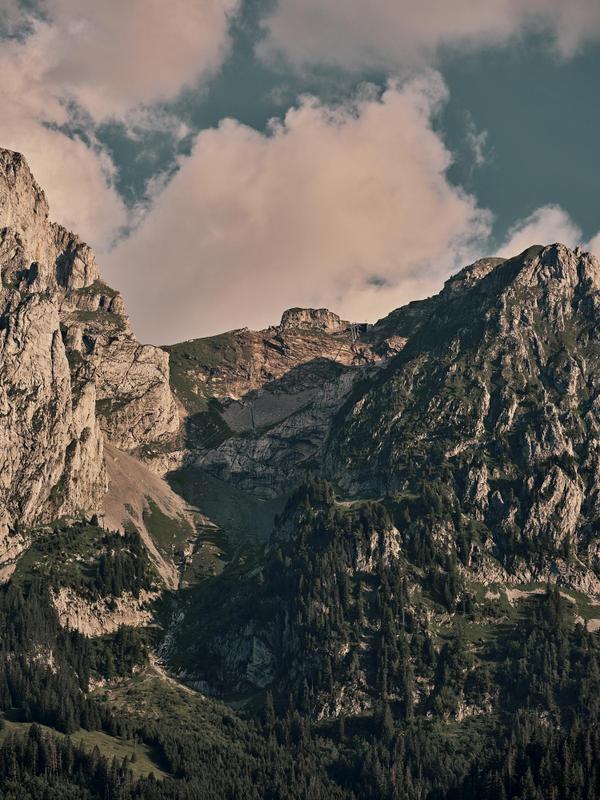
(344, 206)
(118, 55)
(399, 33)
(77, 176)
(594, 245)
(546, 225)
(76, 63)
(112, 56)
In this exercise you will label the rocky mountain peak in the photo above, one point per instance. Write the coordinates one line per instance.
(23, 204)
(71, 371)
(471, 274)
(538, 265)
(561, 267)
(312, 318)
(34, 251)
(554, 265)
(553, 284)
(499, 388)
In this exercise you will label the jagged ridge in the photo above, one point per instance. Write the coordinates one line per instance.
(71, 370)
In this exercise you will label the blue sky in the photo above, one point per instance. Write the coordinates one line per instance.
(542, 117)
(230, 159)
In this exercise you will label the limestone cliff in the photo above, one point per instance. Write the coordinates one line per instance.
(70, 368)
(315, 318)
(259, 403)
(50, 441)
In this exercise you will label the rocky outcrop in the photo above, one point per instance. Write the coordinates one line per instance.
(51, 450)
(232, 365)
(278, 434)
(320, 318)
(260, 403)
(135, 403)
(378, 547)
(103, 614)
(70, 368)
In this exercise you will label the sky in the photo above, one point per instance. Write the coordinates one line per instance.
(228, 159)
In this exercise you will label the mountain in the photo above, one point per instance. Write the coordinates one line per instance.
(322, 560)
(74, 378)
(259, 404)
(471, 454)
(496, 401)
(71, 367)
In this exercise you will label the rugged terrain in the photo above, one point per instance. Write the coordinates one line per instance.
(324, 559)
(73, 377)
(259, 403)
(475, 447)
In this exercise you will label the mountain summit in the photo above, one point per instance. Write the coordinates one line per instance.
(71, 368)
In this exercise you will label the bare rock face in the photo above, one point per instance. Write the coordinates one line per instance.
(497, 398)
(260, 403)
(51, 447)
(102, 615)
(134, 401)
(470, 275)
(70, 368)
(320, 318)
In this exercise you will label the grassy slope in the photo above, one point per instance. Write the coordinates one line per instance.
(225, 350)
(67, 555)
(109, 746)
(170, 534)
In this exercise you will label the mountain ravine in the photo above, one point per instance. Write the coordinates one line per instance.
(326, 559)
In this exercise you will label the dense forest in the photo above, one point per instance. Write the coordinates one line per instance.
(442, 718)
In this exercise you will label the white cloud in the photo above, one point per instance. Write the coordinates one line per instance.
(477, 141)
(309, 214)
(75, 177)
(101, 59)
(111, 56)
(348, 207)
(546, 225)
(393, 34)
(594, 245)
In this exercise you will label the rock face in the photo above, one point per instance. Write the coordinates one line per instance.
(260, 403)
(70, 368)
(50, 440)
(135, 404)
(472, 418)
(102, 615)
(320, 318)
(497, 398)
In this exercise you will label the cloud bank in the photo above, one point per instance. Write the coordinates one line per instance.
(546, 225)
(111, 56)
(392, 35)
(83, 62)
(348, 207)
